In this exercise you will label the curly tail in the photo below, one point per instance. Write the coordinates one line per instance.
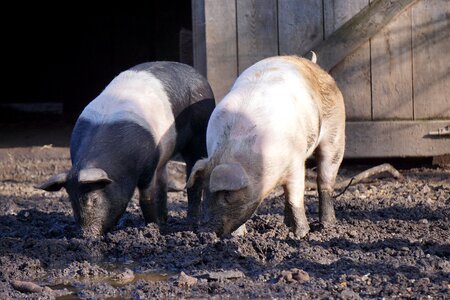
(313, 56)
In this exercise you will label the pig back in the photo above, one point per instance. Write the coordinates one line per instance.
(155, 96)
(271, 102)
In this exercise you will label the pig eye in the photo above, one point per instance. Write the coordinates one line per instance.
(227, 197)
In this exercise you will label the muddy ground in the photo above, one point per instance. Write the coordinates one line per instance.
(392, 240)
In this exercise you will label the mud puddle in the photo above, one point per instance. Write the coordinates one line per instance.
(71, 288)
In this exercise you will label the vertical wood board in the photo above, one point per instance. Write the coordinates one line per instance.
(257, 31)
(198, 35)
(392, 70)
(300, 25)
(431, 59)
(221, 51)
(353, 73)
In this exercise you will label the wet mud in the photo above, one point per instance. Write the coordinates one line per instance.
(391, 240)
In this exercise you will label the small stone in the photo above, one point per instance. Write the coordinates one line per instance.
(426, 189)
(125, 277)
(300, 275)
(220, 276)
(365, 277)
(423, 221)
(286, 276)
(186, 281)
(352, 233)
(294, 275)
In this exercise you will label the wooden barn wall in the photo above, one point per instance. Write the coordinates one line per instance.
(396, 86)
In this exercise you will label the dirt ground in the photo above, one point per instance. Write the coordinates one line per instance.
(392, 240)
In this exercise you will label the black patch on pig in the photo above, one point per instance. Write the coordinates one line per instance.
(124, 149)
(192, 103)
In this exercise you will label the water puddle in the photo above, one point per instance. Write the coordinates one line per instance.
(121, 275)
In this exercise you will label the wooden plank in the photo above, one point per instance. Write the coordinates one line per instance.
(198, 35)
(395, 139)
(359, 29)
(221, 50)
(431, 63)
(300, 25)
(392, 70)
(352, 74)
(257, 31)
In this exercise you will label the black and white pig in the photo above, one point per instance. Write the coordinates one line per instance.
(124, 138)
(279, 111)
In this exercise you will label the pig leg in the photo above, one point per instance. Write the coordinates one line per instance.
(288, 214)
(195, 151)
(295, 214)
(194, 194)
(329, 157)
(153, 200)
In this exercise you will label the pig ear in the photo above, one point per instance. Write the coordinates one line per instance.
(93, 175)
(228, 177)
(55, 183)
(196, 172)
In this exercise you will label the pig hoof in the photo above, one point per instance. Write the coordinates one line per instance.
(301, 232)
(327, 221)
(288, 221)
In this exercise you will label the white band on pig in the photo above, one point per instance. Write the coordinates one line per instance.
(135, 96)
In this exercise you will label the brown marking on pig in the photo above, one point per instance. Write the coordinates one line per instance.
(337, 158)
(323, 87)
(310, 141)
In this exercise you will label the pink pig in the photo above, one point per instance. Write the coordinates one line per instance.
(279, 111)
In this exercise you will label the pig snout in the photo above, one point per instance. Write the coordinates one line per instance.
(93, 227)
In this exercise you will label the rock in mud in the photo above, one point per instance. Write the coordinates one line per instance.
(186, 281)
(294, 275)
(125, 277)
(220, 276)
(31, 287)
